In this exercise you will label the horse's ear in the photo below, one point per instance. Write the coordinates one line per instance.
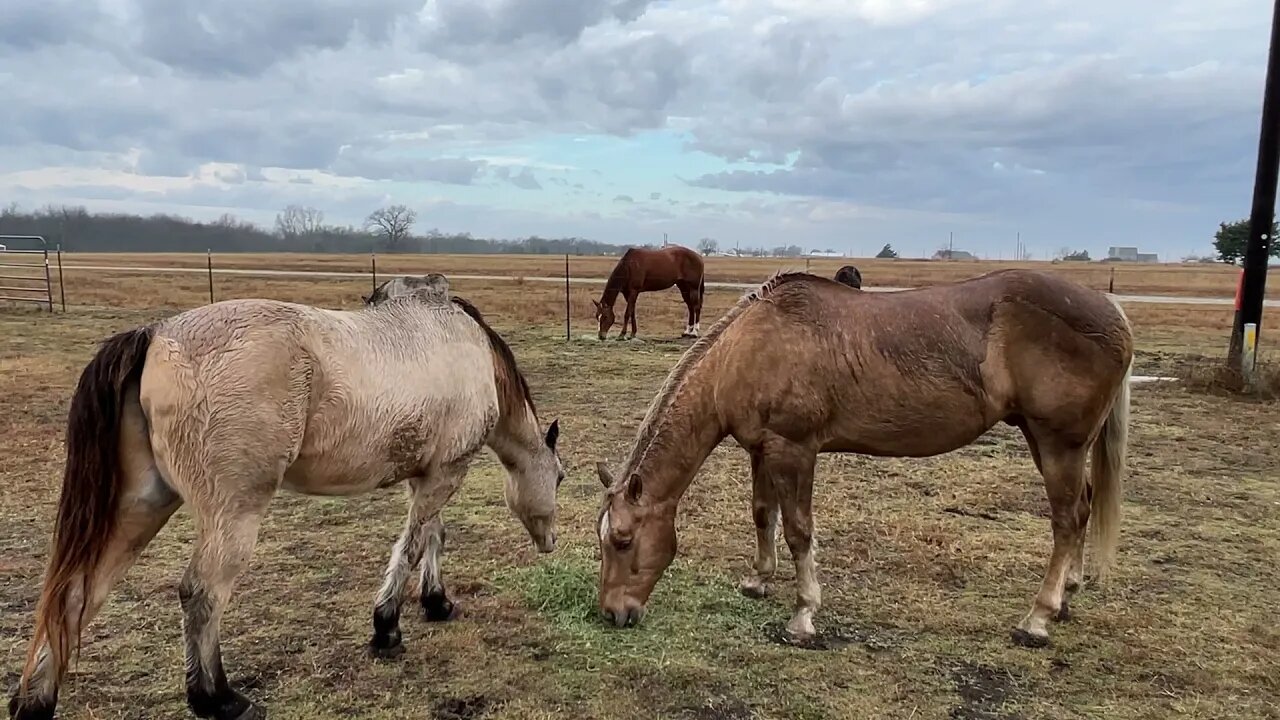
(596, 303)
(633, 488)
(364, 299)
(606, 475)
(553, 433)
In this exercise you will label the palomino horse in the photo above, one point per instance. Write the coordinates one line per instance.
(804, 365)
(849, 275)
(640, 270)
(221, 406)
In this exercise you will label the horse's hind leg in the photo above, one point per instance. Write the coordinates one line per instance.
(686, 294)
(764, 512)
(1062, 465)
(146, 504)
(226, 532)
(436, 605)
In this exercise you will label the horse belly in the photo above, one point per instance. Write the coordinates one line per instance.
(912, 430)
(351, 455)
(347, 468)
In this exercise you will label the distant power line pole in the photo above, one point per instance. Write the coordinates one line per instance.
(1240, 355)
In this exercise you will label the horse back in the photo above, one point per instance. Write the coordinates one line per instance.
(396, 395)
(654, 270)
(921, 372)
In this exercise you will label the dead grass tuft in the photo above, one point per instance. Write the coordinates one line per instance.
(1214, 376)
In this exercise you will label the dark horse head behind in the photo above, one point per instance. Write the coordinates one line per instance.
(850, 276)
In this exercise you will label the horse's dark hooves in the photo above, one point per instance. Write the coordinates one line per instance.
(755, 592)
(438, 608)
(1028, 640)
(253, 712)
(386, 653)
(1064, 612)
(384, 649)
(29, 712)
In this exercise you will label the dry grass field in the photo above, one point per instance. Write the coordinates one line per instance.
(1212, 280)
(925, 564)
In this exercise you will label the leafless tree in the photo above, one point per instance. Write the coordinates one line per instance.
(297, 221)
(392, 224)
(708, 246)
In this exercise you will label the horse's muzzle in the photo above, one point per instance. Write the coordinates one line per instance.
(546, 543)
(628, 617)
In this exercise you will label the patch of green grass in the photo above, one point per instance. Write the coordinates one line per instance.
(697, 616)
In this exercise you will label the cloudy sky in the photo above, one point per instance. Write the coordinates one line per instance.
(822, 123)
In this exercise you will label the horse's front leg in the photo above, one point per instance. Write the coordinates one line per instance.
(631, 309)
(427, 495)
(436, 605)
(764, 512)
(626, 316)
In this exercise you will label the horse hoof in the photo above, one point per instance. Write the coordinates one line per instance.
(1027, 639)
(386, 653)
(754, 590)
(253, 712)
(386, 648)
(24, 711)
(438, 608)
(1064, 612)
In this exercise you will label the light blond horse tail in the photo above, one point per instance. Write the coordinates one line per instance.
(91, 487)
(1109, 458)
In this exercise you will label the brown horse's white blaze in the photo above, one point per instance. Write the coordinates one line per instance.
(805, 365)
(221, 406)
(643, 270)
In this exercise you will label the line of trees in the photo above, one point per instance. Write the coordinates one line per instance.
(297, 229)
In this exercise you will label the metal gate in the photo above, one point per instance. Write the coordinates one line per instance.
(24, 272)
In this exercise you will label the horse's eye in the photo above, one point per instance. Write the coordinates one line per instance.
(621, 543)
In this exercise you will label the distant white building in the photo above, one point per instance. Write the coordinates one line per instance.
(1131, 254)
(824, 254)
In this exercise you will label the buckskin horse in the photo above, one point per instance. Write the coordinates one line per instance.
(642, 270)
(220, 406)
(804, 365)
(433, 597)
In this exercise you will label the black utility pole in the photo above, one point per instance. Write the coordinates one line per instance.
(1258, 251)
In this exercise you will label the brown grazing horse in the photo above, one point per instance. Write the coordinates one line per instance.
(805, 365)
(640, 270)
(849, 275)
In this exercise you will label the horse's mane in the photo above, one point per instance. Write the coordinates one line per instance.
(512, 385)
(671, 387)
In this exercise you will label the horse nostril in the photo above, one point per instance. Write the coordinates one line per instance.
(606, 615)
(633, 616)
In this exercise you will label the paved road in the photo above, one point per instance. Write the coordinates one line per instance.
(257, 272)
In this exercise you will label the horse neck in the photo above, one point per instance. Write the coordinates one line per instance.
(516, 436)
(685, 434)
